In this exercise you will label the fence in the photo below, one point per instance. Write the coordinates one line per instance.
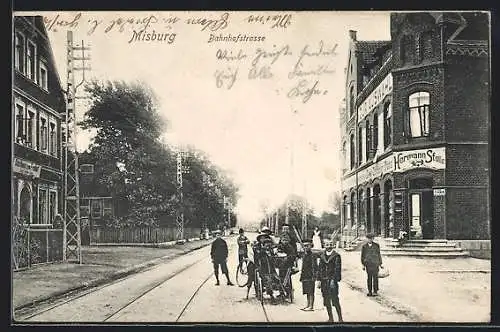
(33, 246)
(139, 235)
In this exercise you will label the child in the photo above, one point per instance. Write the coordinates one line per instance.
(308, 275)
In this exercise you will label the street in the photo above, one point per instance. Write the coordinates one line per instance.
(183, 290)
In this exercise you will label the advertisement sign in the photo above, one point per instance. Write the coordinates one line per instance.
(377, 95)
(27, 168)
(424, 158)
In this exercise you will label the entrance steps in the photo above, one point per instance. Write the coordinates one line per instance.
(422, 248)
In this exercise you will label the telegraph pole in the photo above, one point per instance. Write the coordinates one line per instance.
(72, 244)
(181, 169)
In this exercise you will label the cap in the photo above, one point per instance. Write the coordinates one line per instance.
(265, 229)
(370, 236)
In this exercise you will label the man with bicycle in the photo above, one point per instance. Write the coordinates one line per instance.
(243, 242)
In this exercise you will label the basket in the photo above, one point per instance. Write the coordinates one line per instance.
(383, 273)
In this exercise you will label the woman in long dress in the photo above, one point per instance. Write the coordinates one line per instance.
(316, 239)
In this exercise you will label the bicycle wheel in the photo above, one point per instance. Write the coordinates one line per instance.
(242, 274)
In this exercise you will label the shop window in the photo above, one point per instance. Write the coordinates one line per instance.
(42, 207)
(31, 61)
(19, 52)
(387, 125)
(419, 103)
(96, 209)
(352, 151)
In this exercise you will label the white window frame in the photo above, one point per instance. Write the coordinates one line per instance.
(101, 205)
(18, 59)
(43, 117)
(43, 65)
(46, 207)
(423, 113)
(34, 121)
(50, 139)
(17, 103)
(31, 75)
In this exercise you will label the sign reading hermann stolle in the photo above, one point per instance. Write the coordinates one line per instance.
(426, 158)
(398, 162)
(27, 168)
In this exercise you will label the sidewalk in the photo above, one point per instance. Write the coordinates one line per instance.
(430, 289)
(101, 264)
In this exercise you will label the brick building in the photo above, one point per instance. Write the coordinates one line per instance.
(415, 129)
(38, 106)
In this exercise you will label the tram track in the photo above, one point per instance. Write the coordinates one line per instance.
(99, 288)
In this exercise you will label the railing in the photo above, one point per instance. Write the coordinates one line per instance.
(139, 235)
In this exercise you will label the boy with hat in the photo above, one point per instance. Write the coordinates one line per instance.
(329, 275)
(371, 261)
(219, 254)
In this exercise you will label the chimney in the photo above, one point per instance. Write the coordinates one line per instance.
(352, 34)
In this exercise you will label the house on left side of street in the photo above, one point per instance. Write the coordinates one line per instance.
(38, 109)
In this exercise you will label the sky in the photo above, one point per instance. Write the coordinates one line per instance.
(259, 129)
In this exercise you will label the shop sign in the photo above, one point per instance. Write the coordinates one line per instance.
(377, 95)
(376, 170)
(27, 168)
(424, 158)
(439, 192)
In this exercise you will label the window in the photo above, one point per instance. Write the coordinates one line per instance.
(426, 42)
(30, 129)
(344, 157)
(96, 209)
(43, 75)
(360, 145)
(31, 61)
(42, 206)
(419, 114)
(368, 139)
(352, 149)
(19, 52)
(53, 139)
(387, 125)
(107, 207)
(85, 208)
(20, 137)
(375, 132)
(351, 101)
(43, 134)
(52, 205)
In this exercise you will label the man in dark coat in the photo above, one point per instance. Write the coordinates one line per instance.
(329, 275)
(371, 261)
(219, 255)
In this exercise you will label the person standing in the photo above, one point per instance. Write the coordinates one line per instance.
(371, 261)
(243, 242)
(308, 275)
(219, 253)
(316, 239)
(328, 277)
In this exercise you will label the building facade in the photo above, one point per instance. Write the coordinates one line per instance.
(38, 107)
(415, 130)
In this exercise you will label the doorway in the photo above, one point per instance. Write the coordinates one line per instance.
(25, 205)
(421, 208)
